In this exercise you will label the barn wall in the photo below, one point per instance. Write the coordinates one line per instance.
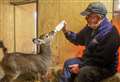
(51, 12)
(17, 26)
(7, 24)
(25, 27)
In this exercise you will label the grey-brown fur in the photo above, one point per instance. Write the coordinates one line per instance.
(15, 65)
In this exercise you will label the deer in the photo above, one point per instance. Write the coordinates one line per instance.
(17, 64)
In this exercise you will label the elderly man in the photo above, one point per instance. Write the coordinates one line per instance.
(101, 39)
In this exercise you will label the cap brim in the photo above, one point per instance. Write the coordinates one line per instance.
(85, 13)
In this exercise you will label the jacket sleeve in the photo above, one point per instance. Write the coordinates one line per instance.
(76, 38)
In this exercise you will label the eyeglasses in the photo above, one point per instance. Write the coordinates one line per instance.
(93, 16)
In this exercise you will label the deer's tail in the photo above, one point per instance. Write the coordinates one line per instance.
(5, 51)
(3, 47)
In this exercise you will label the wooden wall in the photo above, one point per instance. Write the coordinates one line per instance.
(7, 24)
(17, 26)
(51, 12)
(25, 27)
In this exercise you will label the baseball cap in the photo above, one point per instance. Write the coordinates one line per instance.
(96, 7)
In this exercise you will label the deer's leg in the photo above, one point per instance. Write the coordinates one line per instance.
(10, 77)
(43, 78)
(6, 78)
(15, 76)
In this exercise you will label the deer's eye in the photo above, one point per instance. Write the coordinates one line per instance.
(47, 36)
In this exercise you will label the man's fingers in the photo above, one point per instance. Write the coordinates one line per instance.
(74, 68)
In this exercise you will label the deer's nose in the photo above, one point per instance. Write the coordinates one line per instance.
(33, 40)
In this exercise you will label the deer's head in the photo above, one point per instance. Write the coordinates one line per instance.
(45, 38)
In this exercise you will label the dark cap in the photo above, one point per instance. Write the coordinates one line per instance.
(96, 7)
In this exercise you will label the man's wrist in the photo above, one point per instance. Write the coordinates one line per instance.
(65, 31)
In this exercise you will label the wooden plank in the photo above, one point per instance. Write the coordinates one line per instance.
(25, 27)
(7, 24)
(22, 2)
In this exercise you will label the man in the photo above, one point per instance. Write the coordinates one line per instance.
(101, 39)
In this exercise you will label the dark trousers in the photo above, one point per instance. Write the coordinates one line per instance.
(87, 74)
(67, 76)
(93, 74)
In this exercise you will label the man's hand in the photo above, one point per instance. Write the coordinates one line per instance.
(75, 69)
(65, 28)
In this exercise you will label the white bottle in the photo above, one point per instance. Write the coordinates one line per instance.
(59, 26)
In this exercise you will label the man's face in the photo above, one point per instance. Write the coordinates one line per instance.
(93, 20)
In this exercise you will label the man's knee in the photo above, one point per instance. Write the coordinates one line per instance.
(88, 74)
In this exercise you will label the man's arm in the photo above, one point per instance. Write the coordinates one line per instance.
(77, 38)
